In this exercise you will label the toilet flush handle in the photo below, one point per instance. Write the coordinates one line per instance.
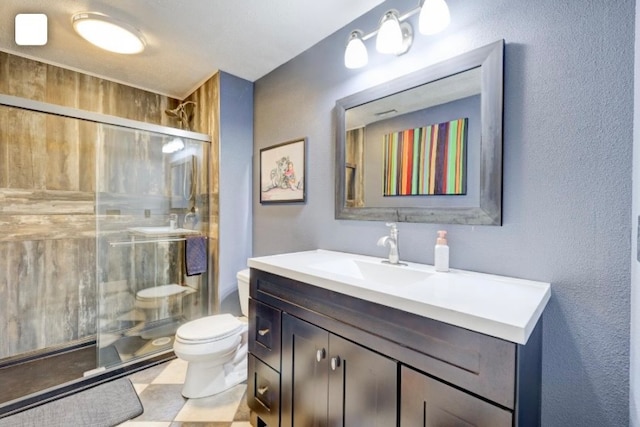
(263, 332)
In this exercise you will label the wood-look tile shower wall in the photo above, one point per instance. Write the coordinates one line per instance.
(207, 120)
(47, 200)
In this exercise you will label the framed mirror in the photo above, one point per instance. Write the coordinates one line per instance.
(425, 147)
(183, 175)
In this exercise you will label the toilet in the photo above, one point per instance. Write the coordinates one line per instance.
(160, 302)
(215, 348)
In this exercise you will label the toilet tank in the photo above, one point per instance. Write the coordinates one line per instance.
(243, 290)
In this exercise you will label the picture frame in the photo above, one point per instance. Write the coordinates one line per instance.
(283, 172)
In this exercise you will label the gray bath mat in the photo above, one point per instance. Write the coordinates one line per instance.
(105, 405)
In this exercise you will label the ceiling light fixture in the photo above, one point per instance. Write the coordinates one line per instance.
(394, 35)
(107, 33)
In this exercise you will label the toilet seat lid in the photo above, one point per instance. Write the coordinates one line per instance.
(209, 328)
(161, 291)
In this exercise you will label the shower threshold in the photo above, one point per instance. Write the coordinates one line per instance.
(140, 341)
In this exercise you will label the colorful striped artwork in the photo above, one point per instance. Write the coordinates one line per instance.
(429, 160)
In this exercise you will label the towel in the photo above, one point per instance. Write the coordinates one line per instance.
(196, 255)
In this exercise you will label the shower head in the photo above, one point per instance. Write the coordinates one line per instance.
(172, 113)
(181, 114)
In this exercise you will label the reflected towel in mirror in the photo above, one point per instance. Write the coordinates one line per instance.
(196, 255)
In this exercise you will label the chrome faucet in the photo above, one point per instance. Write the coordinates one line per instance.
(191, 218)
(392, 242)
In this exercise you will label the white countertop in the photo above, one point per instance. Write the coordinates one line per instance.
(503, 307)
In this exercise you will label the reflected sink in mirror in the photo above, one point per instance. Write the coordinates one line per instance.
(161, 231)
(374, 272)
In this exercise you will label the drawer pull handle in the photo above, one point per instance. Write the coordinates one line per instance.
(335, 363)
(320, 354)
(262, 390)
(263, 332)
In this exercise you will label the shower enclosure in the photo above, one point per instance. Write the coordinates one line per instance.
(151, 197)
(97, 213)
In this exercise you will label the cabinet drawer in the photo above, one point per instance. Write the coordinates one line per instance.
(427, 402)
(264, 333)
(263, 391)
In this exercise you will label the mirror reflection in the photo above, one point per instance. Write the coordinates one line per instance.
(184, 177)
(426, 147)
(418, 123)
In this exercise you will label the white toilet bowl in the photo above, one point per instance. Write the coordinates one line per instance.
(216, 349)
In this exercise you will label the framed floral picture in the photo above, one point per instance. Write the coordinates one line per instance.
(282, 172)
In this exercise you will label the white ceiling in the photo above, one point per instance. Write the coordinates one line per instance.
(187, 40)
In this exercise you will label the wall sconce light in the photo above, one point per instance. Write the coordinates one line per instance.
(355, 55)
(107, 33)
(393, 35)
(434, 17)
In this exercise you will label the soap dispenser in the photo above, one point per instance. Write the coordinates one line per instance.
(441, 255)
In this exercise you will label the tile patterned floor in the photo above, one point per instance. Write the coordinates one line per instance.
(159, 390)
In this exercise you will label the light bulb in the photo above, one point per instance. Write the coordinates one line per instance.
(434, 17)
(355, 55)
(389, 39)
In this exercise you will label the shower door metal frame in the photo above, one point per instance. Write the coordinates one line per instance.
(75, 113)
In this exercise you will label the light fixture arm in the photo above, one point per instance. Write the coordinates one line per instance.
(401, 18)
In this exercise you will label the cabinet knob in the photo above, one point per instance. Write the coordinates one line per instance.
(335, 363)
(262, 390)
(320, 354)
(263, 332)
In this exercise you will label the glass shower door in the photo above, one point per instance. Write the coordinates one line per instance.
(151, 197)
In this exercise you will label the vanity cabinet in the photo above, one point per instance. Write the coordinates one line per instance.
(341, 360)
(329, 381)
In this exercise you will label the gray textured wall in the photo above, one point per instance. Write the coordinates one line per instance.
(634, 375)
(567, 176)
(236, 142)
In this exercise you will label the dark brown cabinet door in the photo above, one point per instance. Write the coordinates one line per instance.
(427, 402)
(304, 374)
(362, 386)
(328, 381)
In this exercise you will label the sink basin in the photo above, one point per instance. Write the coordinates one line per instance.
(504, 307)
(162, 231)
(374, 272)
